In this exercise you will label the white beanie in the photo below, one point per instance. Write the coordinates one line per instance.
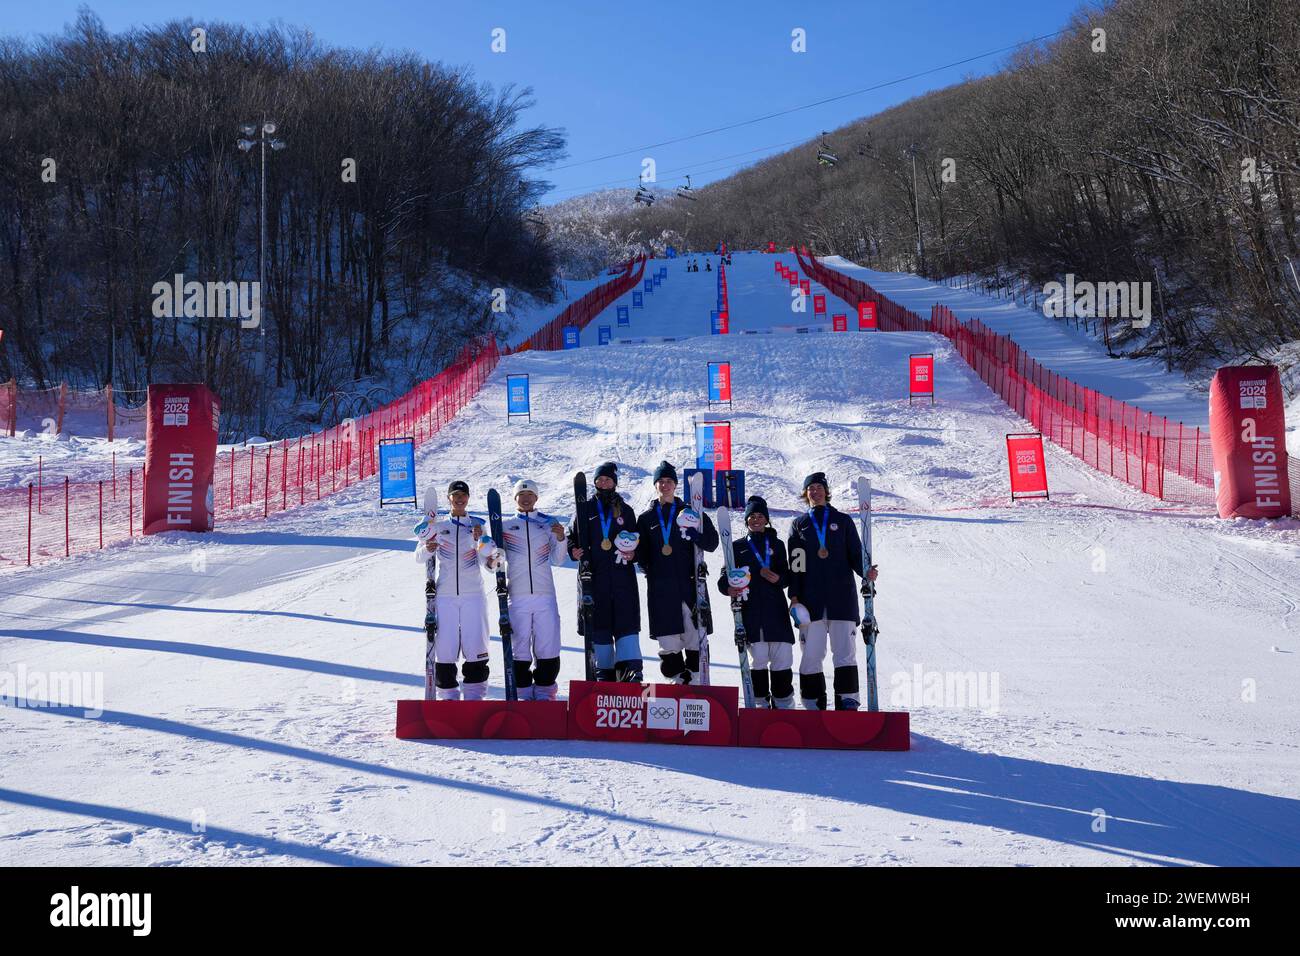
(526, 484)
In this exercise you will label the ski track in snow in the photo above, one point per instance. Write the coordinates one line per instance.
(249, 675)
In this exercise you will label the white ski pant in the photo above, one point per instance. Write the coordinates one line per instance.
(774, 655)
(688, 640)
(462, 629)
(535, 620)
(842, 637)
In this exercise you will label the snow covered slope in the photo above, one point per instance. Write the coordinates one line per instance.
(1139, 663)
(1062, 348)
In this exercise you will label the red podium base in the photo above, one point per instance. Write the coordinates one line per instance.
(826, 729)
(482, 720)
(653, 713)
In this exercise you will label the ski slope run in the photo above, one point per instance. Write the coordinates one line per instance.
(1136, 664)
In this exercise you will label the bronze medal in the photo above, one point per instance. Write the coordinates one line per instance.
(606, 544)
(823, 553)
(667, 549)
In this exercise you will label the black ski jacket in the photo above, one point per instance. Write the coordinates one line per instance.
(826, 586)
(765, 612)
(670, 580)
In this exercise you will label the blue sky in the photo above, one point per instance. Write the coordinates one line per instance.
(618, 77)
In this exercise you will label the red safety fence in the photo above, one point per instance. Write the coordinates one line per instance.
(1163, 458)
(47, 521)
(62, 410)
(550, 337)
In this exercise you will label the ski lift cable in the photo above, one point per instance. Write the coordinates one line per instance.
(696, 170)
(808, 106)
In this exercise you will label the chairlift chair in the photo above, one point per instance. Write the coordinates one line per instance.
(825, 157)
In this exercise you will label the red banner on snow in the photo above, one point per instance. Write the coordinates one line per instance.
(1248, 436)
(805, 286)
(180, 455)
(819, 305)
(920, 376)
(1028, 466)
(839, 323)
(658, 713)
(867, 316)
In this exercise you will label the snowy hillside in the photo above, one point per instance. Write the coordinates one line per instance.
(1137, 662)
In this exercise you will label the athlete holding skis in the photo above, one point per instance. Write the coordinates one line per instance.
(825, 554)
(460, 601)
(670, 533)
(768, 634)
(614, 611)
(533, 545)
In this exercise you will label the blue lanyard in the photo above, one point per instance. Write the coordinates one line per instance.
(604, 522)
(666, 529)
(820, 530)
(764, 559)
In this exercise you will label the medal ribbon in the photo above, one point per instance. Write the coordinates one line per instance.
(665, 528)
(820, 530)
(764, 559)
(604, 522)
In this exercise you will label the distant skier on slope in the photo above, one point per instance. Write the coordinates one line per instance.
(825, 554)
(534, 543)
(616, 603)
(461, 604)
(670, 531)
(763, 609)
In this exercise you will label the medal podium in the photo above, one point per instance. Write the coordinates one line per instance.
(652, 713)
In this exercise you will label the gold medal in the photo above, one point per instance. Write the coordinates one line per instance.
(667, 549)
(823, 553)
(606, 545)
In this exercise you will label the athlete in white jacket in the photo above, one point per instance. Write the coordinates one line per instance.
(461, 604)
(534, 543)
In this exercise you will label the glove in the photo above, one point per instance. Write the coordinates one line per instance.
(740, 579)
(625, 544)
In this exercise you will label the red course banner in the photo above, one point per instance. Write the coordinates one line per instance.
(819, 305)
(805, 286)
(1028, 466)
(657, 713)
(180, 455)
(920, 376)
(1248, 436)
(867, 316)
(839, 323)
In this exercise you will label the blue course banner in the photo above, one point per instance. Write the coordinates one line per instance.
(518, 397)
(570, 336)
(396, 470)
(605, 334)
(623, 315)
(638, 300)
(649, 285)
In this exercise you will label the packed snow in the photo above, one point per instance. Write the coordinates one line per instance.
(1137, 663)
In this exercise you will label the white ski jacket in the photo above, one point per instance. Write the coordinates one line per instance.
(531, 551)
(460, 560)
